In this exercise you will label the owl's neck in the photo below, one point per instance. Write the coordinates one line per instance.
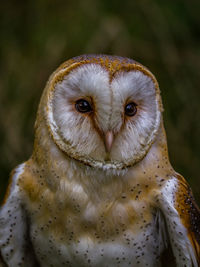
(73, 179)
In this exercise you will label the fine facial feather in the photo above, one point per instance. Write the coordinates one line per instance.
(141, 129)
(108, 96)
(81, 84)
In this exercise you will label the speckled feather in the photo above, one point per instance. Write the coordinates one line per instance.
(64, 208)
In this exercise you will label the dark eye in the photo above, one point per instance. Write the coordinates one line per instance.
(131, 109)
(83, 106)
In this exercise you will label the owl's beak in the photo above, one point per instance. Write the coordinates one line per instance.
(109, 137)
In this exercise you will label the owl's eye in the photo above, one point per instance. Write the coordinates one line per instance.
(83, 106)
(131, 109)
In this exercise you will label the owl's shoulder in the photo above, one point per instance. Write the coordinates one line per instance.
(13, 184)
(189, 212)
(182, 217)
(180, 196)
(14, 227)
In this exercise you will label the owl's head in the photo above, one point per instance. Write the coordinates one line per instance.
(104, 111)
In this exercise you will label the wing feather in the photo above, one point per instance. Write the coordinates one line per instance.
(15, 245)
(182, 217)
(189, 213)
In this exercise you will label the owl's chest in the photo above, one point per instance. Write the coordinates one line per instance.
(117, 236)
(129, 249)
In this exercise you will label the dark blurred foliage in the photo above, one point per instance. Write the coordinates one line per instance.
(36, 36)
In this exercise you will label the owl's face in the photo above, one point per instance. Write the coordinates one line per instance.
(103, 111)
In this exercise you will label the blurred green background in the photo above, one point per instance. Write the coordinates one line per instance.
(36, 36)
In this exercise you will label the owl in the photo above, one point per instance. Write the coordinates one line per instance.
(99, 189)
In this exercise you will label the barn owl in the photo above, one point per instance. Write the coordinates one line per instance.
(99, 189)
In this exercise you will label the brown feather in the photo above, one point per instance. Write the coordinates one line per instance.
(189, 214)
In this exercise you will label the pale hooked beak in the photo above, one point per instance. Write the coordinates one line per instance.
(109, 137)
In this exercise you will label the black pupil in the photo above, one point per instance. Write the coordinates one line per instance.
(83, 106)
(130, 109)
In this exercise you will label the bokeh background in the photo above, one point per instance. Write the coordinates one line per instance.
(36, 36)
